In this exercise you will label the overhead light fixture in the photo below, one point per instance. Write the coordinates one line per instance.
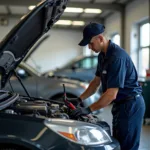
(31, 7)
(74, 10)
(92, 11)
(78, 23)
(63, 22)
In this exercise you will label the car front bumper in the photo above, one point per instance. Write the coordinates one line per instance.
(114, 145)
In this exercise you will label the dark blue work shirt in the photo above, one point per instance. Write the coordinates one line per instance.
(117, 70)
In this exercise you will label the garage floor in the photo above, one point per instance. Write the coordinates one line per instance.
(145, 135)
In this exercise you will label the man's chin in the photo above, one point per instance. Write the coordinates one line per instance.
(96, 51)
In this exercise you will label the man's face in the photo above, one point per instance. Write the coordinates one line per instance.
(96, 44)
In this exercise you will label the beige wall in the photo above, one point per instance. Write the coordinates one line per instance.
(60, 48)
(113, 24)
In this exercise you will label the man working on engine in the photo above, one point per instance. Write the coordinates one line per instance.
(118, 76)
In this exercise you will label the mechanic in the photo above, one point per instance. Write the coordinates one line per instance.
(118, 76)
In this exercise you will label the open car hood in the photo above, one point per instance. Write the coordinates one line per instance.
(15, 46)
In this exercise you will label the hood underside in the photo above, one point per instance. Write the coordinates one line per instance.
(18, 42)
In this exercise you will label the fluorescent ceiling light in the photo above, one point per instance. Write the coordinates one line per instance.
(63, 22)
(31, 7)
(94, 11)
(78, 23)
(74, 10)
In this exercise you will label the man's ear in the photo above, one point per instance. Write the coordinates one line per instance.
(100, 37)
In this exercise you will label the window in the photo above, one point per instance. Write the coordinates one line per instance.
(89, 62)
(86, 63)
(116, 39)
(144, 49)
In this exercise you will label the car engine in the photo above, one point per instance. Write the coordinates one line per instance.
(37, 108)
(43, 108)
(12, 103)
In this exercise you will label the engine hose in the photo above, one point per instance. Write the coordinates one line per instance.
(9, 101)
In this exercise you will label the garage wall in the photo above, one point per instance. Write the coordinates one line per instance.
(136, 11)
(60, 48)
(5, 29)
(113, 24)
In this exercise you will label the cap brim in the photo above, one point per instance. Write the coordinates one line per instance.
(84, 42)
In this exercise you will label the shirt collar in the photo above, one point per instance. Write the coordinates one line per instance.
(109, 50)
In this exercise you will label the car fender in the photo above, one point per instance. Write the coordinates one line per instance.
(27, 131)
(72, 89)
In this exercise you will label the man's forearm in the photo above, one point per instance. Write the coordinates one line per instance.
(104, 100)
(92, 88)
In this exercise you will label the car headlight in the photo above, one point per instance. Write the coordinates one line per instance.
(78, 132)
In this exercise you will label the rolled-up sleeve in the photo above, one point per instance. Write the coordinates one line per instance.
(116, 73)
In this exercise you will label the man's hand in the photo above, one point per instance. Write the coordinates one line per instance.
(77, 101)
(80, 111)
(80, 104)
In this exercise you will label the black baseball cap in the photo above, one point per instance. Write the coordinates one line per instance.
(91, 30)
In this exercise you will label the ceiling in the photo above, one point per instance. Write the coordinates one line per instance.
(16, 8)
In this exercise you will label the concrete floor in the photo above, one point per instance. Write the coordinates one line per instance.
(145, 134)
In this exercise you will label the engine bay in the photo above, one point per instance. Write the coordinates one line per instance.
(40, 108)
(43, 108)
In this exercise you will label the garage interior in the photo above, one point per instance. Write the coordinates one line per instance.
(127, 23)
